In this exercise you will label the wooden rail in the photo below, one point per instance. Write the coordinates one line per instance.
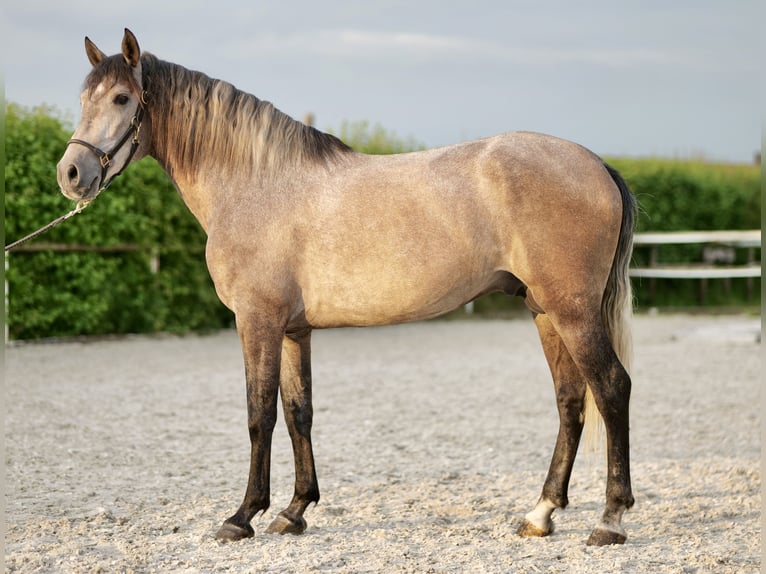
(746, 238)
(76, 247)
(38, 246)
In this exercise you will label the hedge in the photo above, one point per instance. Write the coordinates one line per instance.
(693, 195)
(55, 294)
(58, 294)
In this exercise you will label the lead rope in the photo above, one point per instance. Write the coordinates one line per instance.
(81, 205)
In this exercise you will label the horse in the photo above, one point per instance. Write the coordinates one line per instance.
(305, 233)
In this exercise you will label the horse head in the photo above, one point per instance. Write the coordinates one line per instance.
(113, 102)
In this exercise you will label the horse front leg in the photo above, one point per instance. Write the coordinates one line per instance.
(295, 390)
(261, 345)
(570, 399)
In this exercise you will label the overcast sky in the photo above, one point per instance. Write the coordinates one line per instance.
(672, 78)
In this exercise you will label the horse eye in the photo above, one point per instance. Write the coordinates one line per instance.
(121, 99)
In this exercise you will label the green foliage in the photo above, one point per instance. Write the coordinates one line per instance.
(82, 293)
(692, 195)
(375, 140)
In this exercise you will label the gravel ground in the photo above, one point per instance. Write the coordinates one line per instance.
(432, 441)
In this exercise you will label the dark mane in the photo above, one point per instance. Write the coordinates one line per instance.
(199, 121)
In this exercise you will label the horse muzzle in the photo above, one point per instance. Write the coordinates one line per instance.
(77, 181)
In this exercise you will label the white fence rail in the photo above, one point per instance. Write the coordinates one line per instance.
(719, 255)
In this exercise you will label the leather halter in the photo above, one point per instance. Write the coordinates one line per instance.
(105, 157)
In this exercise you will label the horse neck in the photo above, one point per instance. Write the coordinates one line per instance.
(194, 135)
(207, 134)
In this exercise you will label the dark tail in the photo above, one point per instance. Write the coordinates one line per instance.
(617, 304)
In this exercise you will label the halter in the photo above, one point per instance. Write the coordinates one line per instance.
(105, 157)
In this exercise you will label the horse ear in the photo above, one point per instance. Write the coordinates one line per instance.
(94, 54)
(130, 50)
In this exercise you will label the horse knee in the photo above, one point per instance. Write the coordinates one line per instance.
(299, 416)
(261, 426)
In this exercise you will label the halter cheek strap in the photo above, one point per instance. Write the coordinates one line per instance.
(105, 157)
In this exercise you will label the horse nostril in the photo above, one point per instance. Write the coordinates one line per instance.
(72, 173)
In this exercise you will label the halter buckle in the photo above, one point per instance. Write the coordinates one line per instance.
(135, 123)
(105, 161)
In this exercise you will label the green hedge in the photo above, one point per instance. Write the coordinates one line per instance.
(61, 294)
(693, 195)
(688, 195)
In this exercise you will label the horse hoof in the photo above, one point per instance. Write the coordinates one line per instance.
(231, 532)
(287, 525)
(603, 537)
(528, 530)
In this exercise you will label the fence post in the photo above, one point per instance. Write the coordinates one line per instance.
(5, 306)
(154, 261)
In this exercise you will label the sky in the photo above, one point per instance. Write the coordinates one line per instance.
(665, 78)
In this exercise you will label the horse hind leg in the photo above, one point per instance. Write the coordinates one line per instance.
(295, 390)
(585, 337)
(570, 399)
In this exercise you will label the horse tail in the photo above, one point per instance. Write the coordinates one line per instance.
(617, 303)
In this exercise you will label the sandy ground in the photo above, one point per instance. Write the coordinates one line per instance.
(432, 441)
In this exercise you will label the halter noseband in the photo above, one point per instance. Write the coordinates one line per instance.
(105, 157)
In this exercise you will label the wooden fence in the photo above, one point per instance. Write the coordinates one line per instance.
(718, 258)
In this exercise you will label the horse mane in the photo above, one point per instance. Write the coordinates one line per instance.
(200, 122)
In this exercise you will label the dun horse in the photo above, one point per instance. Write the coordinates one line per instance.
(304, 233)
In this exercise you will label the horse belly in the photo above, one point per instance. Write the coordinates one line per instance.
(383, 292)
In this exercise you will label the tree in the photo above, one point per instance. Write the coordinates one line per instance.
(375, 139)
